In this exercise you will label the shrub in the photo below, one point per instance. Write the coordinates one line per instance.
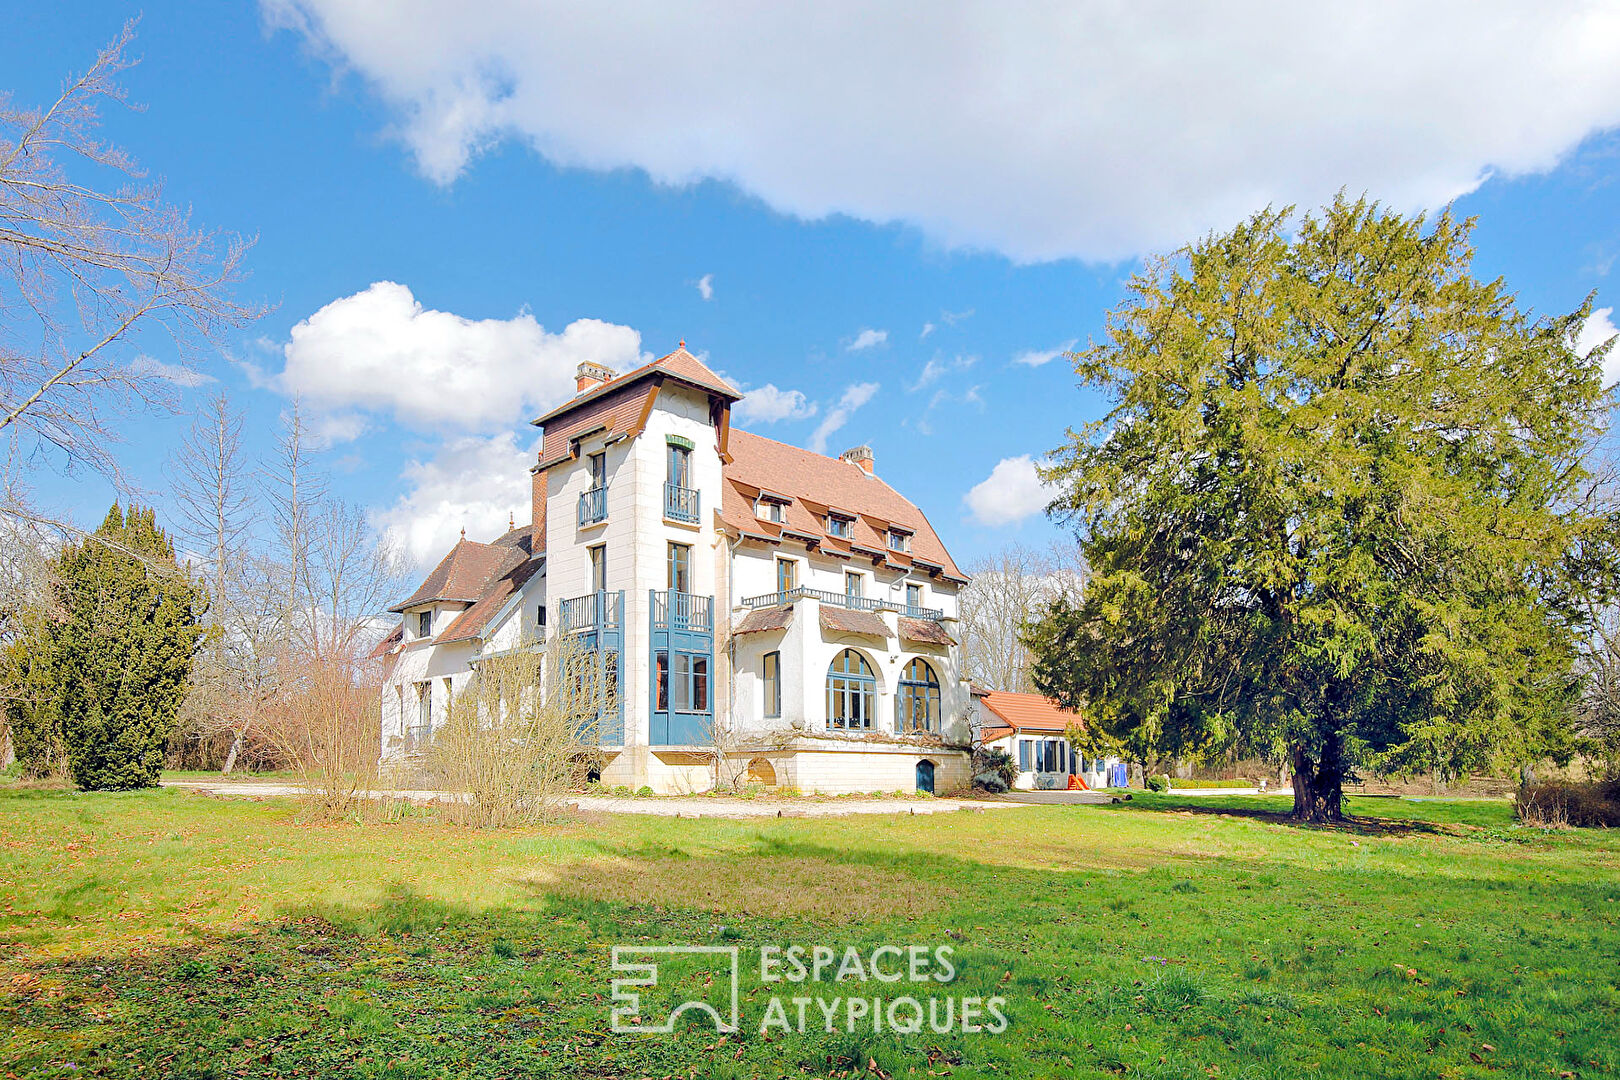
(995, 761)
(1158, 783)
(991, 782)
(1556, 803)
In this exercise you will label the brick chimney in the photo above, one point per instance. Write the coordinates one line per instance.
(537, 538)
(859, 455)
(589, 376)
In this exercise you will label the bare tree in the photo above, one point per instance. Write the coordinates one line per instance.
(351, 574)
(294, 489)
(1008, 589)
(94, 267)
(216, 510)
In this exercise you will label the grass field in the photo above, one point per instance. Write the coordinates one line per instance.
(168, 934)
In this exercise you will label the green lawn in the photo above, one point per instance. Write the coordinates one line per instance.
(170, 934)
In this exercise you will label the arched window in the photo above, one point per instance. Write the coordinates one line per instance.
(917, 703)
(851, 692)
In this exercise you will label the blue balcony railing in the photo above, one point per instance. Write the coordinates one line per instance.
(680, 503)
(601, 611)
(593, 506)
(682, 611)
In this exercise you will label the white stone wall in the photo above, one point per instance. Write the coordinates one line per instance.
(416, 664)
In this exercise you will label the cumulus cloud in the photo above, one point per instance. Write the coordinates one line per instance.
(767, 404)
(1599, 328)
(1037, 357)
(1011, 493)
(868, 338)
(472, 483)
(1179, 120)
(855, 395)
(381, 351)
(705, 286)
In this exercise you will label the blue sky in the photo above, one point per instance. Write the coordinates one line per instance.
(815, 209)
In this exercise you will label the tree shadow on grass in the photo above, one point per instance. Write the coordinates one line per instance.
(1353, 824)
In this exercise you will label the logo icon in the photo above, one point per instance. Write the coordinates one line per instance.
(698, 978)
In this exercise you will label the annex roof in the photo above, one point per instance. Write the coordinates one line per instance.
(1010, 712)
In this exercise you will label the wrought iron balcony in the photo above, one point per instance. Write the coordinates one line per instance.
(682, 611)
(855, 603)
(599, 611)
(681, 503)
(593, 506)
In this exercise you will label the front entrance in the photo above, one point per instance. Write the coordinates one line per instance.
(925, 776)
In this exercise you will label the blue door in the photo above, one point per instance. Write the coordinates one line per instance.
(925, 776)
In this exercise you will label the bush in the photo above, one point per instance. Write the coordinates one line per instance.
(1557, 803)
(995, 761)
(992, 782)
(1158, 783)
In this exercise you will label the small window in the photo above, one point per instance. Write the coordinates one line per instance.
(680, 567)
(773, 684)
(841, 527)
(424, 624)
(598, 568)
(913, 597)
(598, 464)
(854, 584)
(661, 682)
(899, 541)
(540, 616)
(787, 575)
(769, 510)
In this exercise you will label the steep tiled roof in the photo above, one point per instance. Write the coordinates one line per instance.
(472, 622)
(463, 575)
(620, 405)
(844, 621)
(758, 622)
(925, 631)
(819, 484)
(388, 644)
(1024, 712)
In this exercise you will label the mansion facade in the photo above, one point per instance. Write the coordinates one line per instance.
(783, 609)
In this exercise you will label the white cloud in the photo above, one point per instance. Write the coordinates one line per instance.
(1035, 358)
(928, 328)
(936, 368)
(705, 286)
(472, 483)
(855, 395)
(178, 374)
(380, 350)
(767, 404)
(1011, 493)
(1173, 124)
(953, 317)
(1598, 329)
(868, 338)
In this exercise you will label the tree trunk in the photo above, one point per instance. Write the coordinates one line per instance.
(230, 758)
(1319, 786)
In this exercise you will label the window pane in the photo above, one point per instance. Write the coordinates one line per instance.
(700, 684)
(683, 682)
(662, 683)
(773, 684)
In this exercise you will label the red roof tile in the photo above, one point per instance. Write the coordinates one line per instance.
(816, 483)
(471, 623)
(1026, 712)
(844, 621)
(463, 575)
(758, 622)
(925, 631)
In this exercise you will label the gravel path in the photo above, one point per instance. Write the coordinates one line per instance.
(664, 806)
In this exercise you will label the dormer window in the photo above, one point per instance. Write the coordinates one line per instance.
(841, 527)
(424, 624)
(899, 541)
(770, 508)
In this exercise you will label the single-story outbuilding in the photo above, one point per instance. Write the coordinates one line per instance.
(1031, 728)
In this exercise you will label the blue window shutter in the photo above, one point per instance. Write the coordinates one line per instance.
(1023, 755)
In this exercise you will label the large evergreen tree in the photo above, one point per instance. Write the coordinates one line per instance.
(110, 673)
(1338, 513)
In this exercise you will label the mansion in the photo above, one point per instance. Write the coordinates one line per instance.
(792, 601)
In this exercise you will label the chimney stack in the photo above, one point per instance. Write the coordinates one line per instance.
(589, 376)
(859, 455)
